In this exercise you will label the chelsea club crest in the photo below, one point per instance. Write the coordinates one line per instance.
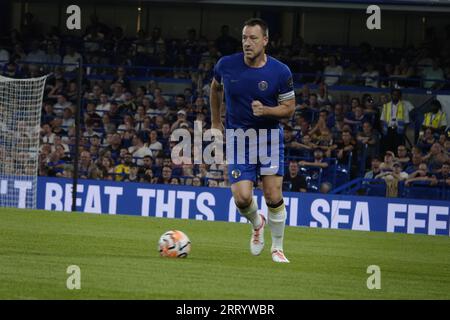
(263, 85)
(236, 173)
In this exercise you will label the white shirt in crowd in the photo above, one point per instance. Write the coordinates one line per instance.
(71, 59)
(330, 72)
(58, 108)
(156, 146)
(65, 146)
(371, 78)
(140, 154)
(103, 108)
(89, 133)
(156, 112)
(67, 123)
(48, 139)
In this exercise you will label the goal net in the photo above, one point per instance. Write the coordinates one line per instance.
(20, 113)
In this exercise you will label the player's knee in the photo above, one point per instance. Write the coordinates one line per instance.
(243, 200)
(272, 195)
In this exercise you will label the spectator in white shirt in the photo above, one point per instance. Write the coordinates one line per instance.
(58, 141)
(72, 57)
(104, 106)
(139, 150)
(47, 136)
(371, 76)
(61, 104)
(67, 119)
(154, 144)
(332, 72)
(161, 108)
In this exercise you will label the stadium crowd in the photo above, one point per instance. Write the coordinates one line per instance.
(126, 127)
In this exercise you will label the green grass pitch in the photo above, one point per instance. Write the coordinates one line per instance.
(118, 259)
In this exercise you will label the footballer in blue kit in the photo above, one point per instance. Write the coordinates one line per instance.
(258, 92)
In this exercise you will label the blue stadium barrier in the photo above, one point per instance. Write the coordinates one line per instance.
(377, 187)
(422, 190)
(299, 76)
(363, 89)
(216, 204)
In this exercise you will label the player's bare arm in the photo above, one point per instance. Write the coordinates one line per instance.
(284, 110)
(215, 98)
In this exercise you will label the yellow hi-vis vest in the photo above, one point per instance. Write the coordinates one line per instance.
(400, 116)
(433, 122)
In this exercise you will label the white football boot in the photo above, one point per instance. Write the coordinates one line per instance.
(278, 256)
(257, 239)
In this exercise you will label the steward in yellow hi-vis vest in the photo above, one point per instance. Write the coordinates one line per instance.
(394, 118)
(435, 119)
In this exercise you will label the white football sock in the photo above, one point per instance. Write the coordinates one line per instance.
(251, 214)
(277, 221)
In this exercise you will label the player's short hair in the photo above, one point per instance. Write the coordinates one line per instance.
(258, 22)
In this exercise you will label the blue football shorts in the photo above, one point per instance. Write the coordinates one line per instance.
(259, 157)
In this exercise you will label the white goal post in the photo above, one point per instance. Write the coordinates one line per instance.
(20, 115)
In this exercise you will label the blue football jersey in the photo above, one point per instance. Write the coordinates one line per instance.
(270, 84)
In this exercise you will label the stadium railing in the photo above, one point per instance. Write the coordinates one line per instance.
(147, 73)
(383, 82)
(407, 85)
(377, 187)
